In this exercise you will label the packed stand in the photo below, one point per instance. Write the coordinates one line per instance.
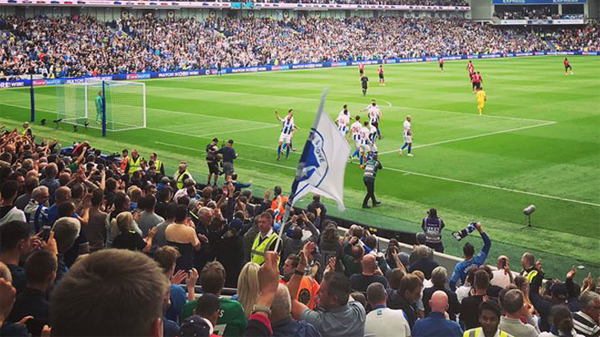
(526, 12)
(134, 243)
(380, 2)
(587, 38)
(82, 46)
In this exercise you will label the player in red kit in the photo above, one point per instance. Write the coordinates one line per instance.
(567, 66)
(477, 80)
(441, 63)
(472, 75)
(381, 78)
(361, 69)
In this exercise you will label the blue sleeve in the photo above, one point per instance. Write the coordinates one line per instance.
(455, 276)
(486, 243)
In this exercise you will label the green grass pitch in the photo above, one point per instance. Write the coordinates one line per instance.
(537, 143)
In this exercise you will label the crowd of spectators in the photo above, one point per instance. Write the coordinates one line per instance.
(587, 38)
(526, 12)
(92, 245)
(380, 2)
(82, 45)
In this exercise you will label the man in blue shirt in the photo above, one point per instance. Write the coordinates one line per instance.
(436, 324)
(460, 270)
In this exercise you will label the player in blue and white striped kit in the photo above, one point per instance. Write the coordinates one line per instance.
(355, 130)
(343, 121)
(287, 129)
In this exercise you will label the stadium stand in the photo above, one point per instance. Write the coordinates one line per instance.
(50, 47)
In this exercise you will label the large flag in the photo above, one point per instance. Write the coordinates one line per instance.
(323, 162)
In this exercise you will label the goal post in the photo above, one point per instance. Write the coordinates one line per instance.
(105, 105)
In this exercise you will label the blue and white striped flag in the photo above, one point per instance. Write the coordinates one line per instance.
(323, 162)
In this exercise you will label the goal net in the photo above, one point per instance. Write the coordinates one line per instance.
(81, 103)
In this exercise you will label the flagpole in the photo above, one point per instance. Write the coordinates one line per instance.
(288, 204)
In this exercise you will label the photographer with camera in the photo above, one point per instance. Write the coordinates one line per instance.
(432, 226)
(461, 268)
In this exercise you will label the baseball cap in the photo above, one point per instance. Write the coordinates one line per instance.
(194, 326)
(236, 224)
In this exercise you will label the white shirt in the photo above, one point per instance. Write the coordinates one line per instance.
(355, 128)
(364, 134)
(500, 279)
(343, 119)
(406, 128)
(386, 322)
(549, 334)
(287, 125)
(373, 112)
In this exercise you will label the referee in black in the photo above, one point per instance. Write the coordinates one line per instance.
(371, 167)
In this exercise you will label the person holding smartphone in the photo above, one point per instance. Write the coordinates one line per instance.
(503, 276)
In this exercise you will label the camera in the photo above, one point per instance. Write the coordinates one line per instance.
(461, 234)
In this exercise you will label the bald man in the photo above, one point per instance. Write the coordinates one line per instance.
(503, 276)
(383, 321)
(436, 324)
(370, 274)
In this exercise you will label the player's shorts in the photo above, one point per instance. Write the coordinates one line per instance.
(477, 85)
(361, 71)
(364, 148)
(285, 138)
(407, 139)
(442, 65)
(357, 144)
(364, 87)
(567, 67)
(381, 76)
(374, 122)
(343, 128)
(373, 147)
(213, 167)
(480, 105)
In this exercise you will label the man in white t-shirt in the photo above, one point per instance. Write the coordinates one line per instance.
(383, 321)
(503, 276)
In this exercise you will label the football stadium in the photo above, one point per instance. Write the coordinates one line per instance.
(360, 168)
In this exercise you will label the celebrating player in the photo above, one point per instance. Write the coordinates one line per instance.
(365, 143)
(365, 84)
(381, 78)
(481, 98)
(343, 120)
(567, 66)
(374, 115)
(355, 130)
(441, 63)
(372, 137)
(287, 129)
(98, 107)
(407, 136)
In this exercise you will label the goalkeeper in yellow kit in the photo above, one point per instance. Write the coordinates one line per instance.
(481, 98)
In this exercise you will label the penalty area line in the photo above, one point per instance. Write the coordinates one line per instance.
(473, 137)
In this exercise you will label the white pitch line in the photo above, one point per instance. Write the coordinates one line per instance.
(473, 137)
(495, 187)
(427, 176)
(484, 116)
(388, 102)
(212, 134)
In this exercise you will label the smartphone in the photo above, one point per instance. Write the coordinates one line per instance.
(46, 233)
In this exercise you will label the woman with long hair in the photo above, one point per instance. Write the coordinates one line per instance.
(247, 287)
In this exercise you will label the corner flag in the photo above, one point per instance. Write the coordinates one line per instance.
(323, 162)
